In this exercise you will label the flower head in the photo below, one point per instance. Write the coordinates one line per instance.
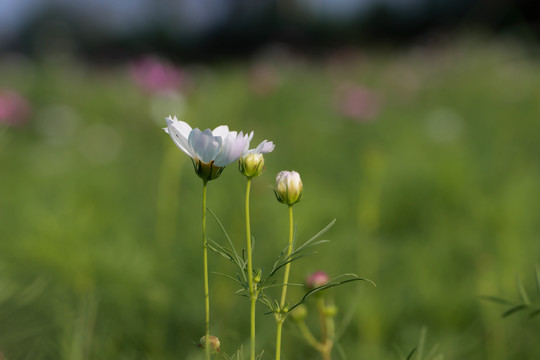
(316, 279)
(157, 76)
(14, 109)
(299, 313)
(210, 150)
(213, 342)
(289, 187)
(251, 164)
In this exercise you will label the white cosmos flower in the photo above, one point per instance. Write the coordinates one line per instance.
(210, 150)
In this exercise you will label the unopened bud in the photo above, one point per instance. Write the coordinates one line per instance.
(299, 313)
(213, 343)
(316, 279)
(251, 165)
(331, 310)
(257, 278)
(289, 187)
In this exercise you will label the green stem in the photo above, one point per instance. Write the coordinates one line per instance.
(322, 317)
(309, 336)
(289, 251)
(280, 317)
(252, 293)
(278, 339)
(206, 288)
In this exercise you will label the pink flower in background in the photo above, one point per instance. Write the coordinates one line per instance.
(264, 79)
(14, 109)
(155, 75)
(357, 102)
(316, 279)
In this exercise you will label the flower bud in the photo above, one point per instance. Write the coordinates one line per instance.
(331, 310)
(258, 275)
(289, 187)
(316, 279)
(207, 171)
(213, 342)
(251, 165)
(299, 313)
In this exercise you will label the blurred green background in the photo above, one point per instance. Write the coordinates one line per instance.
(427, 156)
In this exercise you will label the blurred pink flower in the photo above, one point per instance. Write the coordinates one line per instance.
(357, 102)
(14, 109)
(263, 79)
(154, 75)
(316, 279)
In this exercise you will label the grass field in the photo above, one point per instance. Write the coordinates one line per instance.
(428, 157)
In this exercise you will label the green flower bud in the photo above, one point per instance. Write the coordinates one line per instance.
(331, 310)
(213, 342)
(289, 187)
(207, 171)
(258, 275)
(299, 313)
(251, 165)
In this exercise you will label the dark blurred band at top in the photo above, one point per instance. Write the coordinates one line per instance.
(213, 29)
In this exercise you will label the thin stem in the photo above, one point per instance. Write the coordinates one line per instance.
(206, 288)
(322, 318)
(278, 339)
(252, 294)
(280, 317)
(309, 336)
(327, 354)
(289, 251)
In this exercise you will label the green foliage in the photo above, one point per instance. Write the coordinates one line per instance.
(436, 197)
(524, 303)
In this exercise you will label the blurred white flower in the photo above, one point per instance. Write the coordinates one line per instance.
(210, 150)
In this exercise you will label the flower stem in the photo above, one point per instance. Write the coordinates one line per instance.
(280, 317)
(206, 288)
(289, 251)
(278, 339)
(322, 317)
(252, 292)
(309, 336)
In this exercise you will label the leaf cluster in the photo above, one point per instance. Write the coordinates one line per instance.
(524, 303)
(420, 352)
(266, 281)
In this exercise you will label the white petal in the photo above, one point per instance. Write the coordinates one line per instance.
(221, 131)
(181, 126)
(263, 148)
(179, 132)
(233, 148)
(205, 145)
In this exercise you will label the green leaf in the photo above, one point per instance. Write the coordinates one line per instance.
(421, 343)
(316, 236)
(433, 352)
(534, 313)
(341, 351)
(522, 292)
(537, 276)
(513, 310)
(330, 285)
(238, 258)
(231, 278)
(496, 300)
(409, 357)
